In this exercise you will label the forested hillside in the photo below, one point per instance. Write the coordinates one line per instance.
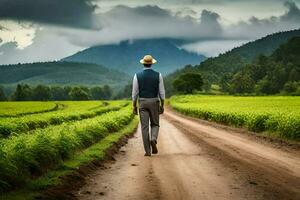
(279, 72)
(236, 58)
(61, 73)
(220, 69)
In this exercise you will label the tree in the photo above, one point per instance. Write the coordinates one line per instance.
(23, 92)
(124, 92)
(58, 93)
(97, 93)
(41, 93)
(2, 94)
(189, 82)
(294, 74)
(225, 83)
(256, 71)
(291, 87)
(86, 89)
(107, 92)
(67, 90)
(264, 86)
(207, 86)
(242, 83)
(79, 94)
(274, 81)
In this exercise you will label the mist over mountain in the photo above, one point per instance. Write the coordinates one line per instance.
(126, 55)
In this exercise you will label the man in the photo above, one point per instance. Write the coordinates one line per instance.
(148, 86)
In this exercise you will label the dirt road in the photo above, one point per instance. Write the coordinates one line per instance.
(198, 160)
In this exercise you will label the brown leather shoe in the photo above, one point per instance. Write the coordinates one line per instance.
(147, 154)
(154, 148)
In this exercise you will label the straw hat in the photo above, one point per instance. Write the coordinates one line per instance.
(148, 59)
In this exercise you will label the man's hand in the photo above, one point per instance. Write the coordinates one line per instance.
(134, 110)
(161, 109)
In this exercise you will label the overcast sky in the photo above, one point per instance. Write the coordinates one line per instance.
(43, 30)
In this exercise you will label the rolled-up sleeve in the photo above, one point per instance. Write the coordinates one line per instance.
(135, 88)
(161, 94)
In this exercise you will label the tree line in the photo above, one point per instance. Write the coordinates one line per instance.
(278, 73)
(25, 92)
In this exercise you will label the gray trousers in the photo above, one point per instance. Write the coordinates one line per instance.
(149, 112)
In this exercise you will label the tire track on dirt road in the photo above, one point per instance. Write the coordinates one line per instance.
(196, 161)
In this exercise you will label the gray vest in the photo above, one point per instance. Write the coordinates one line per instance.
(148, 81)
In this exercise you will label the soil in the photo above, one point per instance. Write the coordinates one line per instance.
(197, 160)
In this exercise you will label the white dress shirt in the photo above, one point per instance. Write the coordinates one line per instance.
(135, 87)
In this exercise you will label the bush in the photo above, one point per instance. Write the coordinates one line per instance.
(291, 87)
(78, 94)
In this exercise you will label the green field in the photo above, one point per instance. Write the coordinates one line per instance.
(13, 109)
(35, 141)
(275, 115)
(71, 111)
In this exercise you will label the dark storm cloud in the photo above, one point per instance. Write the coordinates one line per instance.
(75, 13)
(44, 48)
(293, 13)
(142, 22)
(209, 21)
(205, 34)
(198, 2)
(255, 27)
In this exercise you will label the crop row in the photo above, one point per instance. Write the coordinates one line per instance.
(30, 155)
(278, 116)
(19, 109)
(31, 122)
(15, 109)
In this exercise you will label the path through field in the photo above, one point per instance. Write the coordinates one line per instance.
(197, 160)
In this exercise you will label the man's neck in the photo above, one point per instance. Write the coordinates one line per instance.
(145, 68)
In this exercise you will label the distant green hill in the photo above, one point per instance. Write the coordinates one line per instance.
(214, 69)
(61, 73)
(236, 58)
(126, 55)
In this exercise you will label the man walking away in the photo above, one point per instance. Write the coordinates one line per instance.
(148, 86)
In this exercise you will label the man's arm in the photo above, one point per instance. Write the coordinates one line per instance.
(162, 92)
(135, 92)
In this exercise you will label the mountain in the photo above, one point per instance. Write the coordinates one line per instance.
(215, 69)
(126, 55)
(238, 57)
(61, 73)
